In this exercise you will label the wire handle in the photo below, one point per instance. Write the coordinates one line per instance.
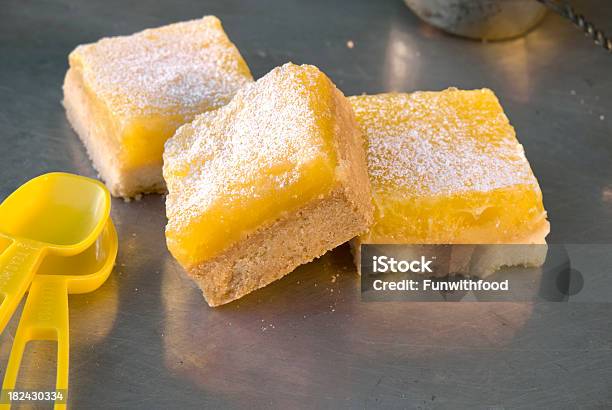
(568, 12)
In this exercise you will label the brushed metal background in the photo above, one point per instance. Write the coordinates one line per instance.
(147, 339)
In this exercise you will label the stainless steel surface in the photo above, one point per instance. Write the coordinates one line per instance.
(480, 19)
(146, 339)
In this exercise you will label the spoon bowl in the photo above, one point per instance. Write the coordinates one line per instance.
(57, 214)
(66, 212)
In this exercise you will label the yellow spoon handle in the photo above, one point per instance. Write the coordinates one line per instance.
(44, 317)
(18, 264)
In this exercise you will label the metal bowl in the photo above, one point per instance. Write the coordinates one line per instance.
(480, 19)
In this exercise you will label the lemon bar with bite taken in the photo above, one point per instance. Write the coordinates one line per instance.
(268, 182)
(125, 96)
(446, 168)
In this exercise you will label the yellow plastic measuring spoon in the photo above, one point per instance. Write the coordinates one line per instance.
(56, 213)
(45, 314)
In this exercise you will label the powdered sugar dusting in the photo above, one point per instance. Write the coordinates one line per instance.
(181, 68)
(430, 143)
(268, 129)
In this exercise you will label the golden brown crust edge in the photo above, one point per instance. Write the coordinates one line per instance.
(272, 252)
(353, 168)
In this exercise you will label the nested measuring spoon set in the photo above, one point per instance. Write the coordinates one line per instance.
(56, 238)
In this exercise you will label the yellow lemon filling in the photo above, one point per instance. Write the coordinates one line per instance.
(446, 167)
(142, 87)
(234, 170)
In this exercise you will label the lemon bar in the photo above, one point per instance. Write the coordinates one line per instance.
(446, 168)
(268, 182)
(125, 96)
